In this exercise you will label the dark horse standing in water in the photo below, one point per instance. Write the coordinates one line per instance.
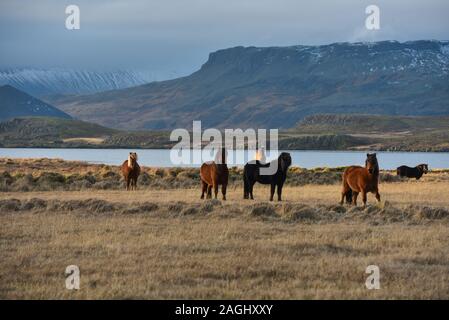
(214, 174)
(358, 179)
(251, 175)
(131, 171)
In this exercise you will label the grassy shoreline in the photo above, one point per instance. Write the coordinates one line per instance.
(55, 174)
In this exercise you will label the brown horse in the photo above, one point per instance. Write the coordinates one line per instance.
(214, 174)
(358, 179)
(131, 171)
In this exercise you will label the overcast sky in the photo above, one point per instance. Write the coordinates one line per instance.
(174, 37)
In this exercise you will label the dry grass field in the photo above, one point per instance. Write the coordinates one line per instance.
(168, 244)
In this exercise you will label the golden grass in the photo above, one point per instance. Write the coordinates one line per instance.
(303, 248)
(424, 193)
(226, 253)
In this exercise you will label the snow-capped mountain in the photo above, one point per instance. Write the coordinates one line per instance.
(275, 87)
(42, 82)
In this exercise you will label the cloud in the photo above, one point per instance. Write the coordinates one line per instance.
(177, 35)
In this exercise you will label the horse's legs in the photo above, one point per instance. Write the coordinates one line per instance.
(209, 192)
(223, 190)
(216, 190)
(245, 188)
(364, 198)
(128, 182)
(279, 192)
(251, 186)
(273, 187)
(203, 188)
(354, 198)
(377, 196)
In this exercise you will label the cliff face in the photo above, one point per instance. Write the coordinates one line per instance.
(276, 87)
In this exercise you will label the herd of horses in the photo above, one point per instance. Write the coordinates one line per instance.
(356, 179)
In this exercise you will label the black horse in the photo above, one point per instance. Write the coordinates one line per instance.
(415, 172)
(252, 174)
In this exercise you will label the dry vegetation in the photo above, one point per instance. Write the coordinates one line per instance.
(166, 243)
(23, 175)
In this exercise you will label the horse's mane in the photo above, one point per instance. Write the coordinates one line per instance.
(376, 170)
(130, 158)
(221, 156)
(277, 161)
(423, 168)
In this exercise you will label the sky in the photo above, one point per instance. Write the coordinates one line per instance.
(172, 38)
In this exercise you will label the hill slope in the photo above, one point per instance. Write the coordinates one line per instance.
(47, 131)
(16, 103)
(369, 132)
(362, 123)
(278, 86)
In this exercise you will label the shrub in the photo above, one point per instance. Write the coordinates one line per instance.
(263, 209)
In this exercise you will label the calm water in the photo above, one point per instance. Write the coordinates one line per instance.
(305, 159)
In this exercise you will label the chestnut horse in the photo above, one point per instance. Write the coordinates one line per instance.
(213, 174)
(131, 171)
(358, 179)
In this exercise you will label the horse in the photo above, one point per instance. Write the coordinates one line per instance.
(358, 179)
(131, 171)
(416, 172)
(251, 175)
(213, 174)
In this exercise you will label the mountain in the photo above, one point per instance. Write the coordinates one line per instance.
(276, 87)
(44, 82)
(16, 103)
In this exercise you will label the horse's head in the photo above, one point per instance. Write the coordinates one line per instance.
(424, 167)
(285, 161)
(132, 159)
(371, 163)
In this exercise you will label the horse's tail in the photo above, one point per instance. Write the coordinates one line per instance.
(346, 188)
(348, 196)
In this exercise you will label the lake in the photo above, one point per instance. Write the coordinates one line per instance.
(305, 159)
